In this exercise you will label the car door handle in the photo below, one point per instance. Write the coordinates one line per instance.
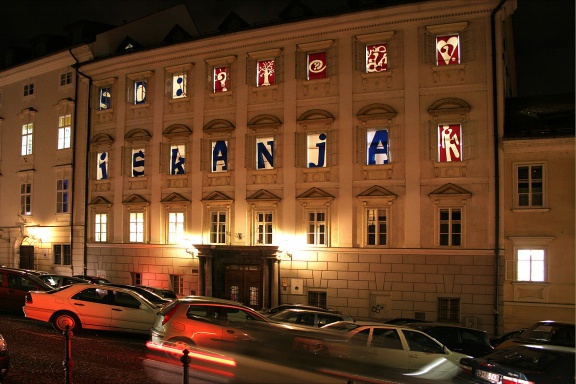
(415, 356)
(230, 331)
(79, 304)
(117, 309)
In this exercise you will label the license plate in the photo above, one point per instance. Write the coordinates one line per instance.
(488, 376)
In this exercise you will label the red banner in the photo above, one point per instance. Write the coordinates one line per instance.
(449, 143)
(448, 50)
(317, 65)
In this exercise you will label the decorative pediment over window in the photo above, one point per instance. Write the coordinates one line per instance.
(315, 196)
(137, 135)
(217, 196)
(263, 196)
(376, 112)
(377, 193)
(175, 198)
(315, 117)
(65, 106)
(101, 140)
(99, 200)
(450, 107)
(262, 122)
(219, 125)
(135, 199)
(450, 193)
(177, 130)
(27, 113)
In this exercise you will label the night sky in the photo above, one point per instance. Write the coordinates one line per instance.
(544, 29)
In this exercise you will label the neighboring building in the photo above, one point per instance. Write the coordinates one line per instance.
(349, 163)
(539, 195)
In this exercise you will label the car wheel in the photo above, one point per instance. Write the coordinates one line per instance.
(62, 319)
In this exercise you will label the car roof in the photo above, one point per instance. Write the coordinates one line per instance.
(210, 300)
(304, 310)
(441, 325)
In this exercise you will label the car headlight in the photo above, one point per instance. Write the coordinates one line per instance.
(3, 344)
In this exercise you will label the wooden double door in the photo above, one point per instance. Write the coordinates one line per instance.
(243, 283)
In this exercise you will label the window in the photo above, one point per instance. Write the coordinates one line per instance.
(218, 224)
(450, 227)
(65, 78)
(179, 85)
(100, 227)
(175, 227)
(176, 80)
(373, 52)
(447, 49)
(316, 61)
(449, 143)
(317, 299)
(64, 123)
(105, 97)
(62, 255)
(219, 156)
(265, 73)
(530, 186)
(262, 141)
(139, 90)
(448, 310)
(264, 228)
(137, 227)
(221, 76)
(264, 153)
(177, 159)
(448, 44)
(25, 198)
(316, 227)
(377, 146)
(137, 163)
(530, 265)
(102, 166)
(316, 141)
(136, 278)
(27, 131)
(316, 153)
(177, 282)
(28, 89)
(62, 194)
(376, 227)
(264, 68)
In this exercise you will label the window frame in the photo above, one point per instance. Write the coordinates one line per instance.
(175, 230)
(62, 254)
(465, 45)
(66, 78)
(303, 52)
(63, 196)
(169, 75)
(26, 198)
(218, 232)
(64, 131)
(520, 243)
(29, 89)
(100, 227)
(137, 226)
(132, 82)
(361, 45)
(221, 62)
(27, 135)
(451, 307)
(516, 166)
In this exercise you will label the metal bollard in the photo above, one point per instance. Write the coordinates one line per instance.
(185, 359)
(68, 362)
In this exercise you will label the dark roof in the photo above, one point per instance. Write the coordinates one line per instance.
(547, 116)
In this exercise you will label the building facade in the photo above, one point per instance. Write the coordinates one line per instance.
(348, 164)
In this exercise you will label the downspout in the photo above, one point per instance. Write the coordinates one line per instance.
(88, 131)
(496, 167)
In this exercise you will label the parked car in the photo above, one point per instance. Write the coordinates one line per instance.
(308, 317)
(529, 364)
(4, 358)
(93, 279)
(14, 284)
(154, 298)
(162, 292)
(469, 341)
(404, 321)
(283, 307)
(544, 332)
(497, 340)
(383, 345)
(92, 306)
(57, 281)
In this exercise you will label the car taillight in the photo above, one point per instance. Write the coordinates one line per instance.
(512, 380)
(169, 314)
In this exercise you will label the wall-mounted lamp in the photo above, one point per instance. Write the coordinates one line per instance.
(284, 284)
(192, 250)
(283, 254)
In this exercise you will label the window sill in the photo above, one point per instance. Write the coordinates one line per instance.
(531, 210)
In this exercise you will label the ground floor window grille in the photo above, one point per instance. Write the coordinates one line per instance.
(62, 254)
(177, 282)
(448, 310)
(136, 278)
(317, 299)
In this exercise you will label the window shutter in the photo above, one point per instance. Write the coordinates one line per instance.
(231, 150)
(466, 45)
(301, 149)
(168, 85)
(361, 145)
(210, 78)
(433, 137)
(360, 56)
(164, 161)
(430, 48)
(130, 91)
(332, 148)
(126, 161)
(395, 57)
(279, 69)
(205, 156)
(301, 68)
(510, 270)
(93, 165)
(468, 142)
(278, 151)
(249, 155)
(251, 72)
(332, 61)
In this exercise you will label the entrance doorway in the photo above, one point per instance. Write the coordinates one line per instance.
(26, 257)
(243, 283)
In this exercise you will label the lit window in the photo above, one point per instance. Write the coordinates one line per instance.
(218, 227)
(264, 228)
(102, 166)
(137, 163)
(62, 196)
(376, 227)
(100, 227)
(29, 89)
(140, 92)
(316, 65)
(266, 70)
(376, 58)
(221, 79)
(66, 78)
(450, 227)
(25, 198)
(62, 255)
(530, 186)
(175, 227)
(448, 310)
(448, 49)
(265, 153)
(27, 131)
(530, 265)
(316, 228)
(220, 156)
(136, 227)
(64, 123)
(449, 143)
(316, 153)
(377, 147)
(177, 282)
(105, 96)
(179, 85)
(177, 159)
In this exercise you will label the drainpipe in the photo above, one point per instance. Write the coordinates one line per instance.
(88, 131)
(496, 168)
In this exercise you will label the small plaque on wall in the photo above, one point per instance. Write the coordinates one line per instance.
(297, 286)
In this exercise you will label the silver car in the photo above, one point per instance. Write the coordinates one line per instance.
(310, 318)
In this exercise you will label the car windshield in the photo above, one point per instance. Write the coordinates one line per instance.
(341, 326)
(527, 358)
(562, 334)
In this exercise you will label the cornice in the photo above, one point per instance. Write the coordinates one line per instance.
(36, 68)
(565, 144)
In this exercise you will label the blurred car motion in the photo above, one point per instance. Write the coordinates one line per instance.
(309, 318)
(525, 364)
(497, 340)
(283, 307)
(153, 297)
(15, 284)
(91, 306)
(162, 292)
(57, 281)
(544, 332)
(4, 358)
(93, 279)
